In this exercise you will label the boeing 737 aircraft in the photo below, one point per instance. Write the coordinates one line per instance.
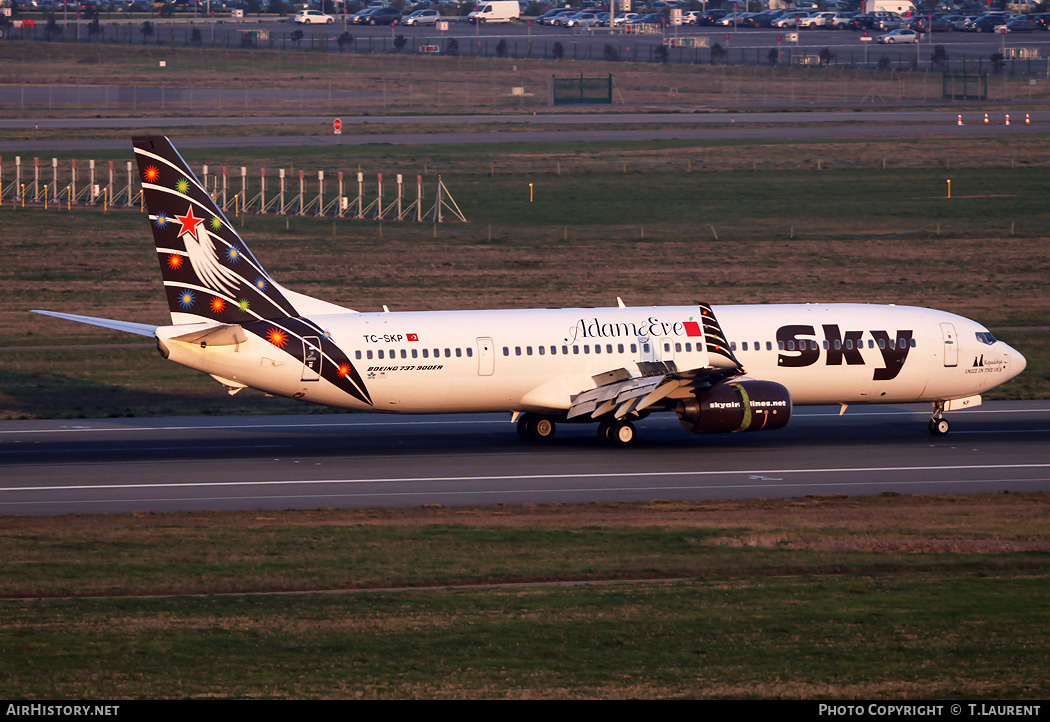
(719, 368)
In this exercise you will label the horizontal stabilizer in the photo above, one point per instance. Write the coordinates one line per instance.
(140, 329)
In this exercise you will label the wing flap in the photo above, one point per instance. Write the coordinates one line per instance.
(637, 394)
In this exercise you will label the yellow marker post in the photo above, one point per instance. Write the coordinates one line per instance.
(949, 187)
(530, 193)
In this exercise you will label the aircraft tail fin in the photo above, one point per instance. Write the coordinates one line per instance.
(209, 272)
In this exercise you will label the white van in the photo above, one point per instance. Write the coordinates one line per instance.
(901, 7)
(495, 11)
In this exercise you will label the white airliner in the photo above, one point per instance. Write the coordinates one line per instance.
(719, 368)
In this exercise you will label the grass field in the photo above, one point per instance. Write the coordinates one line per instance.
(885, 597)
(411, 84)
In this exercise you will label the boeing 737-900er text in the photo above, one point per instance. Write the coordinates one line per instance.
(719, 368)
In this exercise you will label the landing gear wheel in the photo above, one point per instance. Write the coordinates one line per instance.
(617, 433)
(533, 427)
(603, 432)
(542, 428)
(939, 426)
(523, 426)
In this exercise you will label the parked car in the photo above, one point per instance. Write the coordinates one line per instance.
(816, 20)
(988, 23)
(887, 21)
(584, 19)
(748, 20)
(789, 19)
(1022, 25)
(939, 24)
(548, 17)
(900, 35)
(312, 17)
(378, 16)
(708, 18)
(622, 18)
(422, 17)
(841, 20)
(729, 20)
(652, 19)
(1043, 20)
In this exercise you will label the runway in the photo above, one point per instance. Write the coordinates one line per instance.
(346, 461)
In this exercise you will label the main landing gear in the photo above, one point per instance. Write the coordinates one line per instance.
(938, 425)
(617, 432)
(540, 428)
(535, 427)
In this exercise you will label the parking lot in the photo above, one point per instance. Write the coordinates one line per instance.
(1025, 53)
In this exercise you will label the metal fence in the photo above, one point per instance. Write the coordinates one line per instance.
(281, 191)
(614, 48)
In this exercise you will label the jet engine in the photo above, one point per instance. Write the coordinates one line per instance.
(736, 406)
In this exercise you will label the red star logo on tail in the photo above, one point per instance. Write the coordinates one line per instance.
(189, 223)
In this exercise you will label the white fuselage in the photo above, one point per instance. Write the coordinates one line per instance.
(537, 360)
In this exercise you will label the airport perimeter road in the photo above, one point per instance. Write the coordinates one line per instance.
(342, 460)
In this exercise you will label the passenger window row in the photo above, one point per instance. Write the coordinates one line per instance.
(622, 348)
(838, 345)
(415, 353)
(575, 349)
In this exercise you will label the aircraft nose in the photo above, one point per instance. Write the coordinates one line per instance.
(1017, 362)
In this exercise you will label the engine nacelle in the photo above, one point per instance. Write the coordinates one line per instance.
(736, 406)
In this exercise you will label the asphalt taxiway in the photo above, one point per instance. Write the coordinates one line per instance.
(351, 460)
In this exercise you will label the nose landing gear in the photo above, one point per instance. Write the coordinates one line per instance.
(938, 425)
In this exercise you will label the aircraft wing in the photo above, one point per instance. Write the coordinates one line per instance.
(620, 393)
(140, 329)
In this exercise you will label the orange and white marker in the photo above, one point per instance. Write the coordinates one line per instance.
(1008, 119)
(986, 119)
(959, 121)
(1027, 120)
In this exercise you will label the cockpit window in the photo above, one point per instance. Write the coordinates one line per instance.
(985, 337)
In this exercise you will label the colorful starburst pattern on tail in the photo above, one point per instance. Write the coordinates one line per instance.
(211, 275)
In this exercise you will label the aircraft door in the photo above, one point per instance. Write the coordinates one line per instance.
(311, 358)
(648, 349)
(486, 356)
(951, 347)
(665, 349)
